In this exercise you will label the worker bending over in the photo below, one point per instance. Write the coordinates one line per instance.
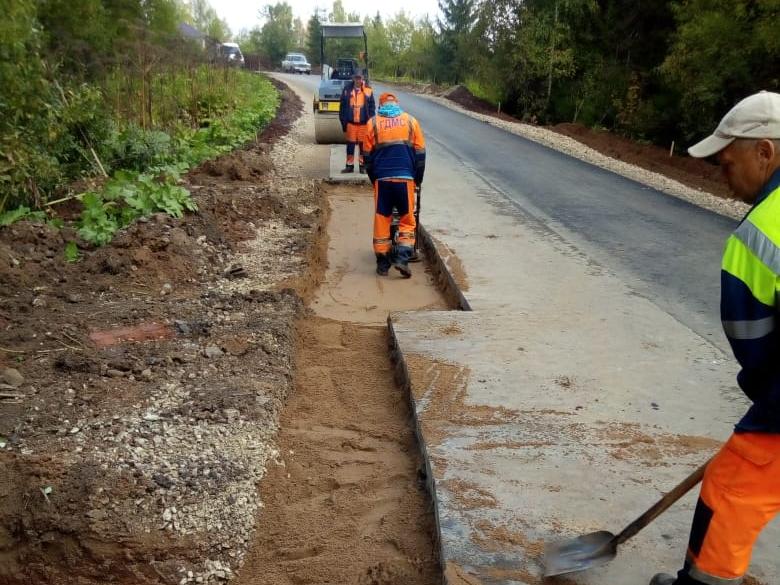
(741, 489)
(357, 107)
(395, 161)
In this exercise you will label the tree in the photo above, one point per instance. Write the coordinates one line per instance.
(299, 34)
(277, 31)
(313, 31)
(206, 19)
(722, 51)
(455, 40)
(339, 13)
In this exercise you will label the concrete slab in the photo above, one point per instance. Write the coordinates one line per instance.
(352, 291)
(337, 157)
(564, 403)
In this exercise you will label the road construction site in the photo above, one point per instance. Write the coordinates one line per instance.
(589, 376)
(553, 367)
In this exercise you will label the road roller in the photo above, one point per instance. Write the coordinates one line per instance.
(341, 56)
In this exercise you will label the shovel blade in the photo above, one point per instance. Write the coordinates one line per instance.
(578, 554)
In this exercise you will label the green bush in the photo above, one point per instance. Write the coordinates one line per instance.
(154, 161)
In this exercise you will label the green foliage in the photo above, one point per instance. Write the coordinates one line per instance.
(722, 50)
(401, 47)
(129, 195)
(21, 212)
(151, 183)
(277, 32)
(203, 17)
(313, 31)
(72, 253)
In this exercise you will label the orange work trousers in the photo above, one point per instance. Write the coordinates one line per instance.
(355, 135)
(398, 194)
(739, 496)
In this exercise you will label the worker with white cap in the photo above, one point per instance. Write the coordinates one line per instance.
(740, 493)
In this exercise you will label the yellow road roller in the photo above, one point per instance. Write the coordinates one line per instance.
(327, 127)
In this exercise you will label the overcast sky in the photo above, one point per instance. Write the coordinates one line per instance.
(243, 14)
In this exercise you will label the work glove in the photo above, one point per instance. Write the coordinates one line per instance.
(343, 127)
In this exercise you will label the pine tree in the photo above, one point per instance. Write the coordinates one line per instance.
(455, 27)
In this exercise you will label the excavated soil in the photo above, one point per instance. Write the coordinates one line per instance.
(346, 502)
(141, 386)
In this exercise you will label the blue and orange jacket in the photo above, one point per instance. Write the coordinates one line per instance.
(357, 105)
(395, 148)
(750, 285)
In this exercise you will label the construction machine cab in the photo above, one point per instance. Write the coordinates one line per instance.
(345, 69)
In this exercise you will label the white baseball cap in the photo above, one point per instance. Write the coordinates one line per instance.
(757, 116)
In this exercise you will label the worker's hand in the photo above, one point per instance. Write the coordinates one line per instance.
(344, 128)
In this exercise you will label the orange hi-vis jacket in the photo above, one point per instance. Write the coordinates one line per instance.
(357, 105)
(395, 148)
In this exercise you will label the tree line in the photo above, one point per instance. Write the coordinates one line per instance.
(658, 70)
(88, 87)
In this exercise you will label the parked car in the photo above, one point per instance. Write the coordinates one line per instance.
(231, 54)
(296, 63)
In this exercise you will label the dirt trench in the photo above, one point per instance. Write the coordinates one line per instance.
(346, 501)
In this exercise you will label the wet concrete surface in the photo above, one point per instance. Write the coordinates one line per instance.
(564, 403)
(337, 161)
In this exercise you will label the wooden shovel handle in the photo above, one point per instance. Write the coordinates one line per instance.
(662, 505)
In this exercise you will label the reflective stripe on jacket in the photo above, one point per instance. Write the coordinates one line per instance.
(750, 284)
(357, 105)
(395, 148)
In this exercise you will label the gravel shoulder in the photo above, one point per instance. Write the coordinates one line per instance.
(142, 386)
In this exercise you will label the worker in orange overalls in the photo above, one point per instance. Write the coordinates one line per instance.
(741, 490)
(395, 162)
(357, 107)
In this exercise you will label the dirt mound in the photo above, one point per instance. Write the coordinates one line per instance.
(136, 461)
(241, 166)
(461, 95)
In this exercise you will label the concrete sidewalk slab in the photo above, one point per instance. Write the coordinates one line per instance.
(564, 403)
(337, 158)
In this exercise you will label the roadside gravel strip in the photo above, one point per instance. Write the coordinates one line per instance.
(567, 145)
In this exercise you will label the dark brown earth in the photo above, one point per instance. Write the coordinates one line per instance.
(64, 516)
(695, 173)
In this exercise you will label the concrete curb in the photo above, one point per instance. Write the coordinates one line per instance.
(442, 273)
(452, 291)
(404, 381)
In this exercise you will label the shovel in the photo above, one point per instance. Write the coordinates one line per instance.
(599, 548)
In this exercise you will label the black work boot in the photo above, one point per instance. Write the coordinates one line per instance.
(403, 268)
(382, 264)
(663, 579)
(348, 169)
(362, 169)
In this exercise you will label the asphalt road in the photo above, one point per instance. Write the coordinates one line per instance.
(665, 249)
